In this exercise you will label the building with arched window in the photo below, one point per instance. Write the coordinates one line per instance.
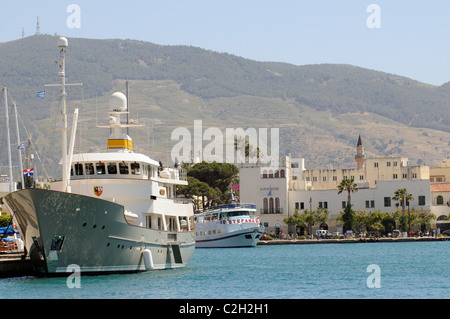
(279, 192)
(440, 197)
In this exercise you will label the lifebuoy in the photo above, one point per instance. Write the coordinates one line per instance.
(15, 227)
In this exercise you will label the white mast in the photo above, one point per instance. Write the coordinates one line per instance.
(11, 181)
(63, 44)
(18, 146)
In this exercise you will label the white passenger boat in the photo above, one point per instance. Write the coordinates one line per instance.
(114, 211)
(229, 225)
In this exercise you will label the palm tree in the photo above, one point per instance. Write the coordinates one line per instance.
(348, 185)
(401, 195)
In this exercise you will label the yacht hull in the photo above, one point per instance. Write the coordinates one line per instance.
(66, 231)
(247, 237)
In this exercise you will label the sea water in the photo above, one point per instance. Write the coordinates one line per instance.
(360, 270)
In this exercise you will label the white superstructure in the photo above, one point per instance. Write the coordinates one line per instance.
(131, 179)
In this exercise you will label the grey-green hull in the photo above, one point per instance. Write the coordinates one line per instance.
(62, 231)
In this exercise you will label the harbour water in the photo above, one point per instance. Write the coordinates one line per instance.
(333, 271)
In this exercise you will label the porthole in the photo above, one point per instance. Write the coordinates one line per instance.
(84, 224)
(107, 245)
(103, 227)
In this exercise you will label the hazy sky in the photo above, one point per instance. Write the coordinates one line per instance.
(408, 38)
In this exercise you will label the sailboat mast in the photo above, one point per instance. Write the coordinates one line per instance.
(18, 146)
(8, 140)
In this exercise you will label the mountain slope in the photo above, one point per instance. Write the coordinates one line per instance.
(337, 88)
(320, 109)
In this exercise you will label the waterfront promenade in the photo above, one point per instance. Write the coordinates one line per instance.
(349, 240)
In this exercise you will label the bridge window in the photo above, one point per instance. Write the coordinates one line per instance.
(112, 168)
(135, 168)
(123, 168)
(89, 168)
(78, 169)
(100, 167)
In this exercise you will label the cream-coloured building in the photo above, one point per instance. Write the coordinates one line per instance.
(441, 173)
(279, 192)
(440, 193)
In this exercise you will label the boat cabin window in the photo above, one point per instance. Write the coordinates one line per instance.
(123, 168)
(144, 170)
(238, 213)
(78, 169)
(89, 168)
(100, 167)
(112, 168)
(135, 168)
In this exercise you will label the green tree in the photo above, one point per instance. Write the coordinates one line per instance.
(348, 217)
(388, 222)
(217, 178)
(322, 215)
(360, 220)
(420, 218)
(401, 195)
(348, 185)
(375, 221)
(5, 220)
(296, 220)
(308, 218)
(197, 189)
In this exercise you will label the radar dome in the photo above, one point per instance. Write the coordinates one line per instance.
(118, 101)
(62, 42)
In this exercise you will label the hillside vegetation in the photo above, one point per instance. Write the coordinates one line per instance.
(320, 109)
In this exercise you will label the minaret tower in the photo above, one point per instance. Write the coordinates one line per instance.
(360, 157)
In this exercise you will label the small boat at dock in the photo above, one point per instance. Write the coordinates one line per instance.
(229, 225)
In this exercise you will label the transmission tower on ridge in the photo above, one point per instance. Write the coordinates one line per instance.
(38, 27)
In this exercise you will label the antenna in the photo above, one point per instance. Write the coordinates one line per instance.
(38, 27)
(128, 104)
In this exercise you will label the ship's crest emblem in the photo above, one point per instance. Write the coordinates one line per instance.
(98, 190)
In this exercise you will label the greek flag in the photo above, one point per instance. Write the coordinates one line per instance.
(41, 94)
(21, 146)
(270, 191)
(28, 172)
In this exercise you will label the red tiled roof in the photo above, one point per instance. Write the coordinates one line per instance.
(440, 187)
